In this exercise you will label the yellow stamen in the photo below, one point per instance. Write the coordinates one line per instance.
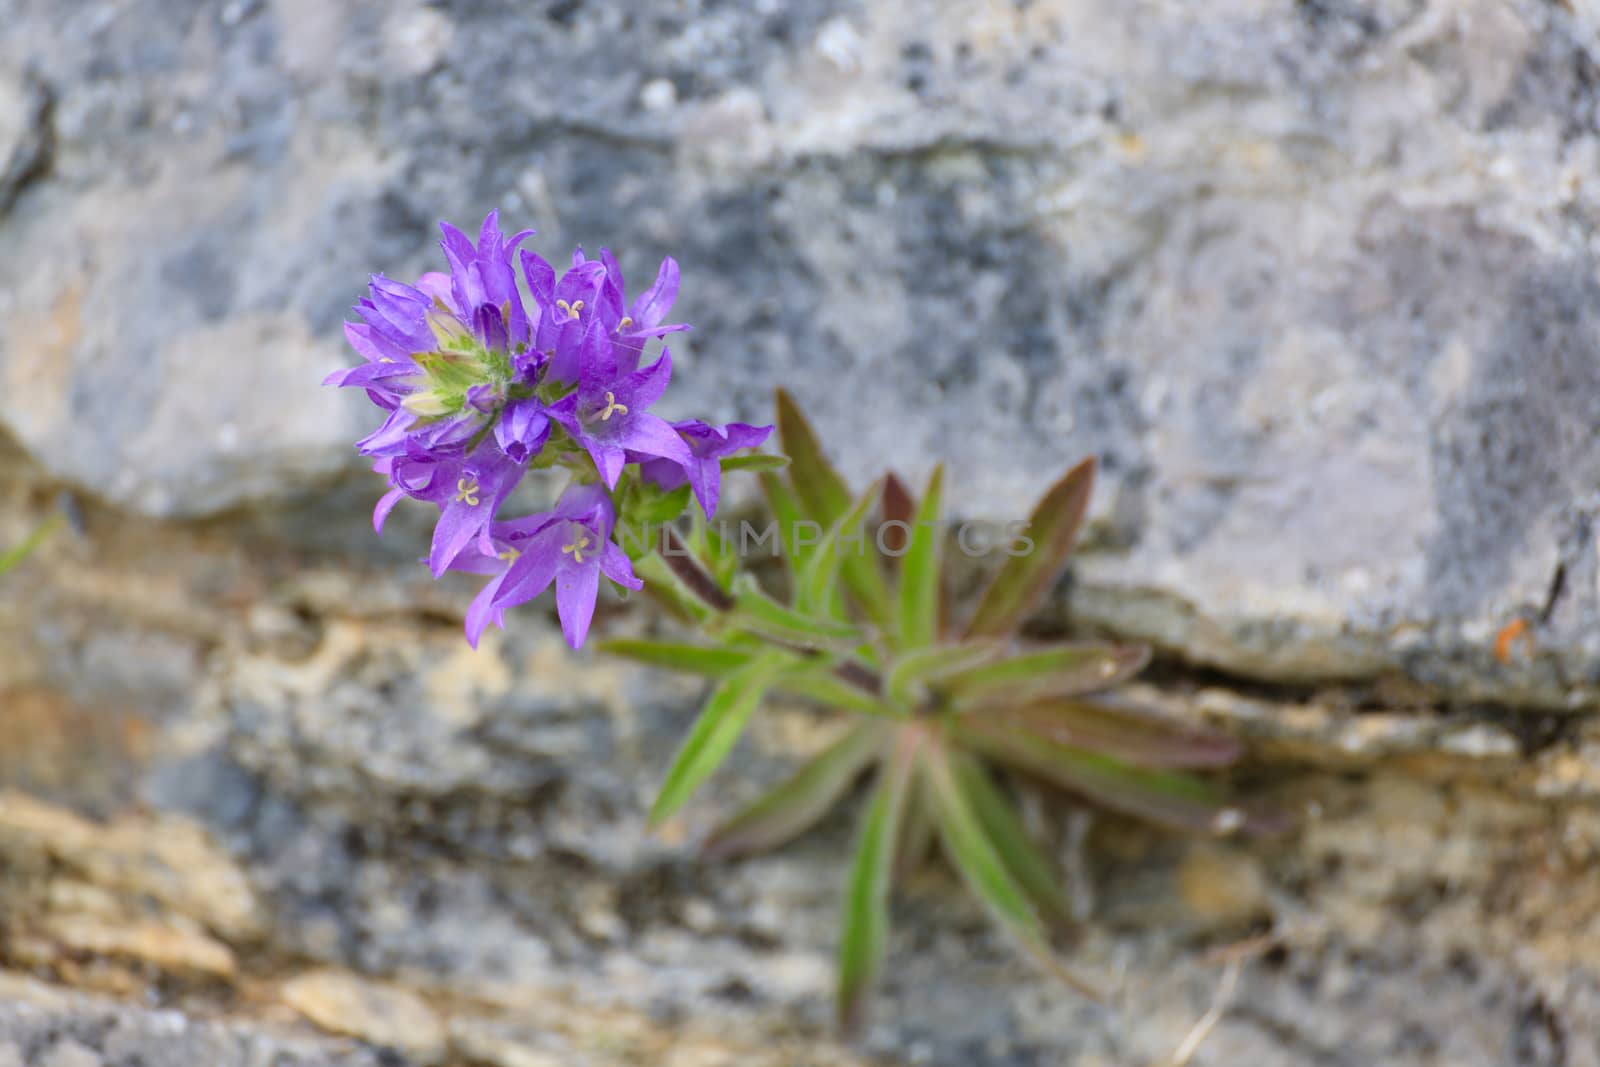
(467, 490)
(571, 309)
(510, 555)
(612, 406)
(627, 320)
(577, 547)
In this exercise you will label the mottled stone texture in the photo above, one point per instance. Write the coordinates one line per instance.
(1316, 281)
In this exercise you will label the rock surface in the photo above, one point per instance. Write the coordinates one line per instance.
(1314, 280)
(1322, 301)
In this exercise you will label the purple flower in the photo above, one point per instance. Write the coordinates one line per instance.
(483, 286)
(476, 369)
(468, 490)
(708, 445)
(570, 546)
(607, 414)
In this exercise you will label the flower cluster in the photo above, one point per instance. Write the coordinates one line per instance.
(485, 378)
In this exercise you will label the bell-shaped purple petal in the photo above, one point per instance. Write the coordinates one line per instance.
(576, 589)
(654, 303)
(523, 429)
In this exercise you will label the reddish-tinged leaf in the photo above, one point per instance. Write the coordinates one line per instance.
(866, 913)
(1124, 734)
(1025, 579)
(794, 807)
(899, 508)
(1166, 797)
(1027, 863)
(1058, 671)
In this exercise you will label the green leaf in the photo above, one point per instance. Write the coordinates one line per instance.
(1027, 863)
(708, 660)
(1059, 671)
(824, 496)
(920, 570)
(913, 670)
(795, 806)
(984, 870)
(866, 913)
(822, 492)
(1124, 734)
(789, 515)
(755, 461)
(758, 613)
(721, 722)
(1025, 579)
(1165, 797)
(821, 684)
(817, 587)
(24, 548)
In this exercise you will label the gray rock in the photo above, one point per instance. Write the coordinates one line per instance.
(1318, 299)
(1314, 281)
(46, 1027)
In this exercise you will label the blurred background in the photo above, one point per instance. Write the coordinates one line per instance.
(1315, 279)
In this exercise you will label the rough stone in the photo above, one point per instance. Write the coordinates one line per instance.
(1314, 280)
(380, 1015)
(48, 1028)
(1319, 301)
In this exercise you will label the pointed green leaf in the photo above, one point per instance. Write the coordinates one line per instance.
(824, 496)
(721, 722)
(1166, 797)
(927, 667)
(1122, 733)
(795, 806)
(758, 613)
(710, 660)
(817, 586)
(866, 912)
(819, 683)
(1059, 671)
(822, 493)
(1025, 579)
(755, 461)
(920, 569)
(982, 868)
(22, 549)
(1032, 869)
(795, 545)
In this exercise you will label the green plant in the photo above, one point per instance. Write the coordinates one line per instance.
(941, 706)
